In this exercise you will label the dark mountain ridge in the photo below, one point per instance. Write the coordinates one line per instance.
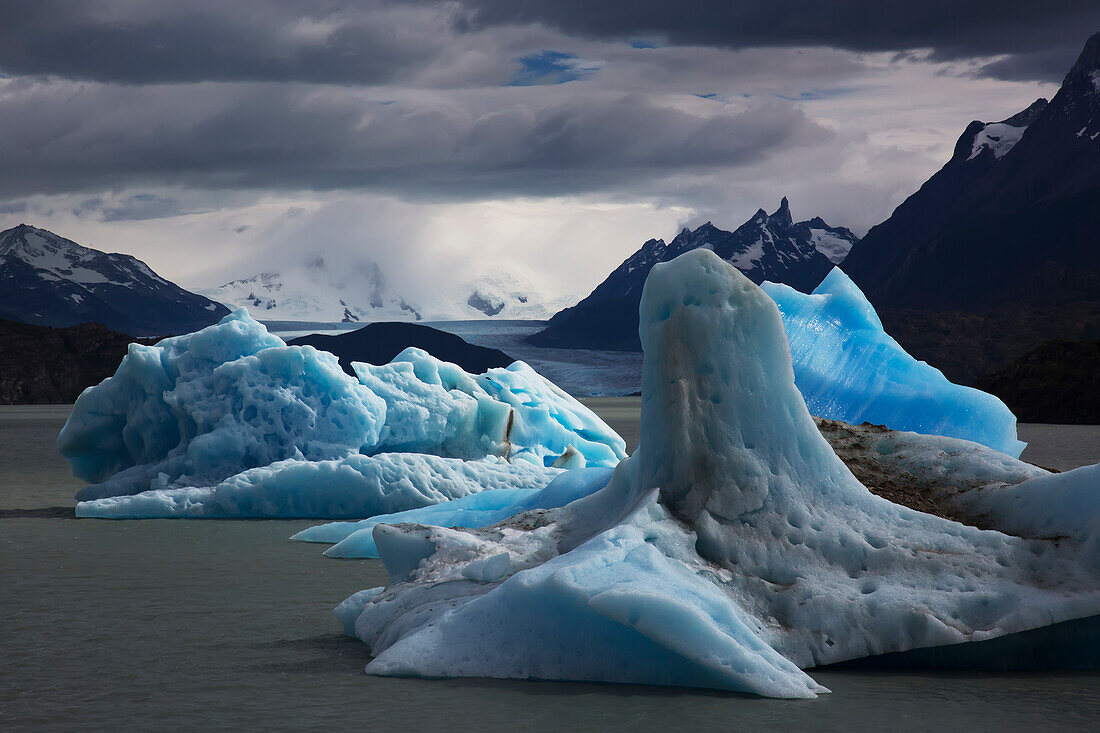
(43, 365)
(999, 251)
(767, 247)
(52, 281)
(1010, 219)
(378, 343)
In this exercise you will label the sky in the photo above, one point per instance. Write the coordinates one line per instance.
(453, 140)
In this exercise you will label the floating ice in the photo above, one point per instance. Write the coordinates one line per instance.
(849, 369)
(732, 549)
(435, 407)
(225, 413)
(196, 409)
(351, 487)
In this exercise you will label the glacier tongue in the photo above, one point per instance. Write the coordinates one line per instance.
(731, 550)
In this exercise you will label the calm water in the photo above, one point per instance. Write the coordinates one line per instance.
(169, 625)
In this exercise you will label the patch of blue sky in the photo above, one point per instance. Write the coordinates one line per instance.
(809, 95)
(644, 44)
(551, 67)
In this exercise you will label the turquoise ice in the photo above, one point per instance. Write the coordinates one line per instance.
(848, 368)
(230, 421)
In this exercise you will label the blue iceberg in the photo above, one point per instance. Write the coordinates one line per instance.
(230, 421)
(734, 549)
(847, 368)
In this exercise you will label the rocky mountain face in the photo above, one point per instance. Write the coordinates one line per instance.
(379, 343)
(52, 281)
(767, 247)
(1007, 231)
(43, 365)
(1054, 383)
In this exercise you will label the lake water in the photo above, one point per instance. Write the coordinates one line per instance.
(180, 625)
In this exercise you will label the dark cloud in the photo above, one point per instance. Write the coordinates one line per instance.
(69, 137)
(382, 41)
(142, 207)
(332, 41)
(1045, 37)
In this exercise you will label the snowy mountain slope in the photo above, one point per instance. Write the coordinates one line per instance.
(769, 247)
(317, 292)
(52, 281)
(325, 293)
(503, 296)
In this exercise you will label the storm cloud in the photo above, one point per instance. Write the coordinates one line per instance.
(381, 41)
(73, 137)
(547, 137)
(1042, 38)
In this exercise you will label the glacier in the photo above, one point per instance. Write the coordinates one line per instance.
(848, 368)
(204, 424)
(734, 549)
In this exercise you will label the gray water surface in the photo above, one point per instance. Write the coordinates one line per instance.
(182, 625)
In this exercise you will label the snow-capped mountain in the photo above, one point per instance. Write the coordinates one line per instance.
(767, 247)
(52, 281)
(504, 296)
(317, 292)
(1012, 218)
(326, 293)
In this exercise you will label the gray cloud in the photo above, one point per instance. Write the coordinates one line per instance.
(1044, 36)
(331, 41)
(69, 137)
(382, 41)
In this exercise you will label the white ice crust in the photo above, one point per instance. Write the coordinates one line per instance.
(732, 550)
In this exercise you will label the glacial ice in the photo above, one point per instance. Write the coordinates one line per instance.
(211, 420)
(435, 407)
(732, 550)
(849, 369)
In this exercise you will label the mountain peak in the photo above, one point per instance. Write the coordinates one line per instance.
(53, 281)
(782, 215)
(1025, 117)
(1089, 60)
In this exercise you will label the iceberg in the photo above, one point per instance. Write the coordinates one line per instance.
(230, 421)
(734, 549)
(434, 406)
(847, 368)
